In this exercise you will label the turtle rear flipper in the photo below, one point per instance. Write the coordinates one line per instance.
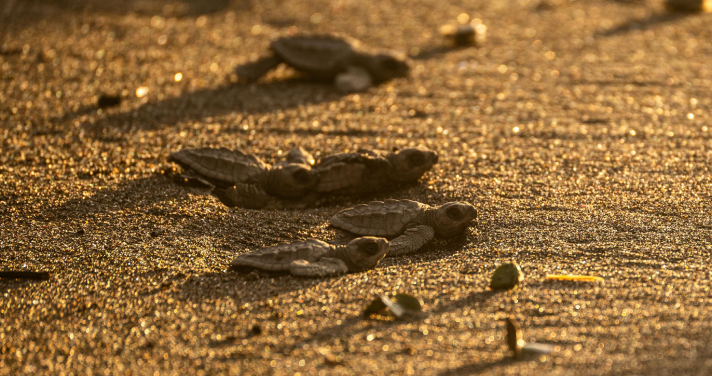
(325, 267)
(248, 196)
(252, 71)
(411, 240)
(192, 178)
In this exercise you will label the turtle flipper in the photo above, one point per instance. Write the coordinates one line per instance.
(300, 155)
(355, 79)
(249, 196)
(411, 240)
(252, 71)
(325, 267)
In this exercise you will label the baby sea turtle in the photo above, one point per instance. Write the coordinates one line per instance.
(367, 171)
(315, 258)
(409, 224)
(249, 180)
(328, 57)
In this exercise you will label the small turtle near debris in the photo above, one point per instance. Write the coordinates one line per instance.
(315, 258)
(472, 34)
(368, 171)
(245, 180)
(330, 57)
(409, 224)
(506, 276)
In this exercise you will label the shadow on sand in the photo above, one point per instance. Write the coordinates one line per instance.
(643, 24)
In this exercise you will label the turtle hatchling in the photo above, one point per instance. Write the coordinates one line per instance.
(367, 171)
(315, 258)
(408, 224)
(246, 180)
(331, 57)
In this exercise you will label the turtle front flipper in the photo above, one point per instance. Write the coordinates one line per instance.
(300, 155)
(252, 71)
(411, 240)
(355, 79)
(325, 267)
(249, 196)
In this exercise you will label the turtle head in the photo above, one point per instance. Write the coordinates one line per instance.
(291, 180)
(410, 164)
(365, 252)
(385, 66)
(453, 218)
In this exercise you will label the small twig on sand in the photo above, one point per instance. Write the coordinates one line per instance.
(25, 275)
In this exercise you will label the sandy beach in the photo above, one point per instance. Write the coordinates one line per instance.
(580, 130)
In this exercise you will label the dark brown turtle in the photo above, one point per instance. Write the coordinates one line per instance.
(408, 224)
(249, 181)
(328, 57)
(367, 171)
(315, 258)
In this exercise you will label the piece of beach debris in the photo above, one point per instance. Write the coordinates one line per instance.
(403, 305)
(314, 258)
(368, 171)
(690, 6)
(255, 330)
(248, 181)
(472, 34)
(514, 337)
(39, 276)
(409, 224)
(506, 276)
(326, 57)
(106, 101)
(517, 345)
(573, 277)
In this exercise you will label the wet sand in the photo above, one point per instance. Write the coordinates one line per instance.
(581, 131)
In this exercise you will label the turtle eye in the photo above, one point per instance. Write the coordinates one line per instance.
(370, 248)
(454, 213)
(301, 176)
(416, 159)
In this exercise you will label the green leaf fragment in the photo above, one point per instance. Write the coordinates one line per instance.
(409, 302)
(506, 276)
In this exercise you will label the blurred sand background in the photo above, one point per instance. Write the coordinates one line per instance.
(580, 130)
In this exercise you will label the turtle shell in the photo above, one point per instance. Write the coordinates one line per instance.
(222, 167)
(388, 219)
(277, 258)
(321, 54)
(349, 171)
